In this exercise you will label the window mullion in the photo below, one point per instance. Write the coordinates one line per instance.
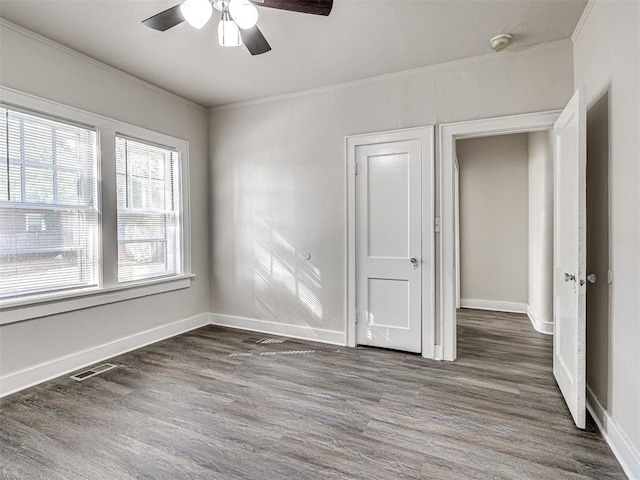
(127, 175)
(23, 172)
(54, 162)
(109, 207)
(6, 136)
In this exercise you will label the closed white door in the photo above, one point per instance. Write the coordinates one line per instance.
(569, 262)
(388, 245)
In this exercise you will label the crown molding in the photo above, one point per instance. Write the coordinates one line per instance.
(387, 76)
(582, 20)
(96, 63)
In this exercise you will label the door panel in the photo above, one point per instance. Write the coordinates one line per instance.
(569, 263)
(390, 300)
(388, 236)
(388, 196)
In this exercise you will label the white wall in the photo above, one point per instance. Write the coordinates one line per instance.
(278, 172)
(540, 298)
(494, 209)
(33, 65)
(607, 61)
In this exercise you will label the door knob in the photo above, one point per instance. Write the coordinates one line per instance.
(414, 262)
(568, 277)
(591, 278)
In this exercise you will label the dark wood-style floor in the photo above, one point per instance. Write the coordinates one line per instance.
(214, 404)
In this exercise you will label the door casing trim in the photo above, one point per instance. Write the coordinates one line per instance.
(426, 135)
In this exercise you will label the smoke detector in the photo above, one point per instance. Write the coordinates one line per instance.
(500, 42)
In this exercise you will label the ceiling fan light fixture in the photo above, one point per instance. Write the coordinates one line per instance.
(244, 13)
(228, 31)
(196, 12)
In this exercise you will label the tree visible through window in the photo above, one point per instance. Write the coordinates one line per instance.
(48, 218)
(148, 211)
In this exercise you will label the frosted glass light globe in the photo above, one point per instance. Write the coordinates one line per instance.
(244, 13)
(196, 12)
(228, 32)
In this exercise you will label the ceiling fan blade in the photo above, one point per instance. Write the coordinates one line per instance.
(165, 20)
(314, 7)
(255, 41)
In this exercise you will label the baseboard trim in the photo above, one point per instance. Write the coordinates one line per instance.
(437, 352)
(295, 331)
(540, 325)
(30, 377)
(494, 305)
(620, 445)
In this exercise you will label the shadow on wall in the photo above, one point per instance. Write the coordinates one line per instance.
(287, 284)
(598, 294)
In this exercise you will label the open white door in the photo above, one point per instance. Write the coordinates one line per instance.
(569, 255)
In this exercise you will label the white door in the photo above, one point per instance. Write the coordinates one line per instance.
(569, 255)
(388, 245)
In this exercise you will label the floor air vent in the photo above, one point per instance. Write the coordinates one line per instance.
(92, 372)
(272, 340)
(286, 352)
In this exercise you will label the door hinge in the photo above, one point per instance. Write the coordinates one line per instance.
(356, 168)
(437, 225)
(356, 318)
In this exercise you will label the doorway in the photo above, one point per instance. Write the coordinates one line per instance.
(504, 225)
(569, 276)
(390, 274)
(492, 242)
(449, 135)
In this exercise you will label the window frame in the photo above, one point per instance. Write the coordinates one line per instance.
(55, 206)
(133, 212)
(108, 289)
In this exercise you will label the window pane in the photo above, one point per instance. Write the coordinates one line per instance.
(158, 192)
(46, 250)
(121, 190)
(38, 185)
(37, 141)
(139, 193)
(69, 186)
(48, 223)
(15, 182)
(14, 137)
(156, 164)
(68, 149)
(148, 224)
(142, 260)
(121, 156)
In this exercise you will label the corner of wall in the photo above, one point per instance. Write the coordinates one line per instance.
(619, 443)
(541, 325)
(37, 374)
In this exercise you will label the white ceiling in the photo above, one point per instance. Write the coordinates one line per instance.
(360, 39)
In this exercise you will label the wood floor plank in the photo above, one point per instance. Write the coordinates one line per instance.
(217, 403)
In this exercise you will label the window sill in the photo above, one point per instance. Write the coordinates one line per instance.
(43, 306)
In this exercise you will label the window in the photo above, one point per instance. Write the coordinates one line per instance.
(92, 210)
(48, 195)
(148, 214)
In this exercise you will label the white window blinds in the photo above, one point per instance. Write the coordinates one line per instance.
(49, 222)
(148, 211)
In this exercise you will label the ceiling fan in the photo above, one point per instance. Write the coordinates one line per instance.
(238, 20)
